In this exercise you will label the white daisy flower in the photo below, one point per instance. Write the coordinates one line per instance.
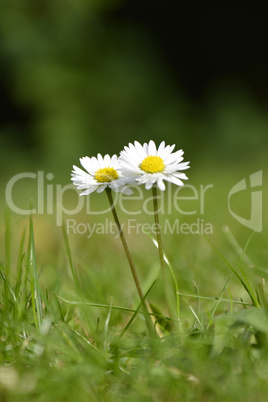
(101, 172)
(149, 165)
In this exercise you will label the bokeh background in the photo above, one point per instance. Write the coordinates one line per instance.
(79, 77)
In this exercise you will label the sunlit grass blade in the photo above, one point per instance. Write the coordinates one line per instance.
(236, 246)
(194, 313)
(7, 286)
(176, 286)
(81, 303)
(19, 276)
(7, 244)
(263, 294)
(231, 301)
(59, 309)
(175, 282)
(32, 269)
(107, 306)
(198, 298)
(78, 335)
(137, 310)
(243, 279)
(69, 255)
(242, 257)
(106, 330)
(218, 301)
(74, 343)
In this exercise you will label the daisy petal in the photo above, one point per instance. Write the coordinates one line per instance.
(101, 188)
(161, 148)
(148, 185)
(89, 190)
(106, 160)
(140, 150)
(175, 180)
(87, 164)
(152, 148)
(161, 184)
(100, 160)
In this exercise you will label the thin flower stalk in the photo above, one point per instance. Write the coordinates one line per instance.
(160, 246)
(131, 263)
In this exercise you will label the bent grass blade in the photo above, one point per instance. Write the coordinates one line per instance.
(32, 269)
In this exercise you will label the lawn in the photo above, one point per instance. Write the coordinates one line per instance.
(72, 328)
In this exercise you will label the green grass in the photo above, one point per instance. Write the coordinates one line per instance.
(71, 329)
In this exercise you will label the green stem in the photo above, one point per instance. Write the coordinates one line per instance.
(131, 263)
(160, 245)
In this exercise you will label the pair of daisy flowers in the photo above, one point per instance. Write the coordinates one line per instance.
(137, 164)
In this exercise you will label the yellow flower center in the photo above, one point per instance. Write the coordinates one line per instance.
(152, 164)
(106, 175)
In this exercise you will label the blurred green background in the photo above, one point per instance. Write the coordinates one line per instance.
(85, 76)
(80, 77)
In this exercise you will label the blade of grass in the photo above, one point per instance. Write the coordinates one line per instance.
(175, 282)
(19, 281)
(241, 268)
(87, 342)
(32, 269)
(216, 298)
(73, 339)
(136, 311)
(7, 285)
(236, 246)
(218, 302)
(194, 313)
(106, 330)
(243, 280)
(176, 286)
(80, 303)
(69, 255)
(7, 245)
(59, 307)
(231, 301)
(198, 305)
(87, 304)
(198, 298)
